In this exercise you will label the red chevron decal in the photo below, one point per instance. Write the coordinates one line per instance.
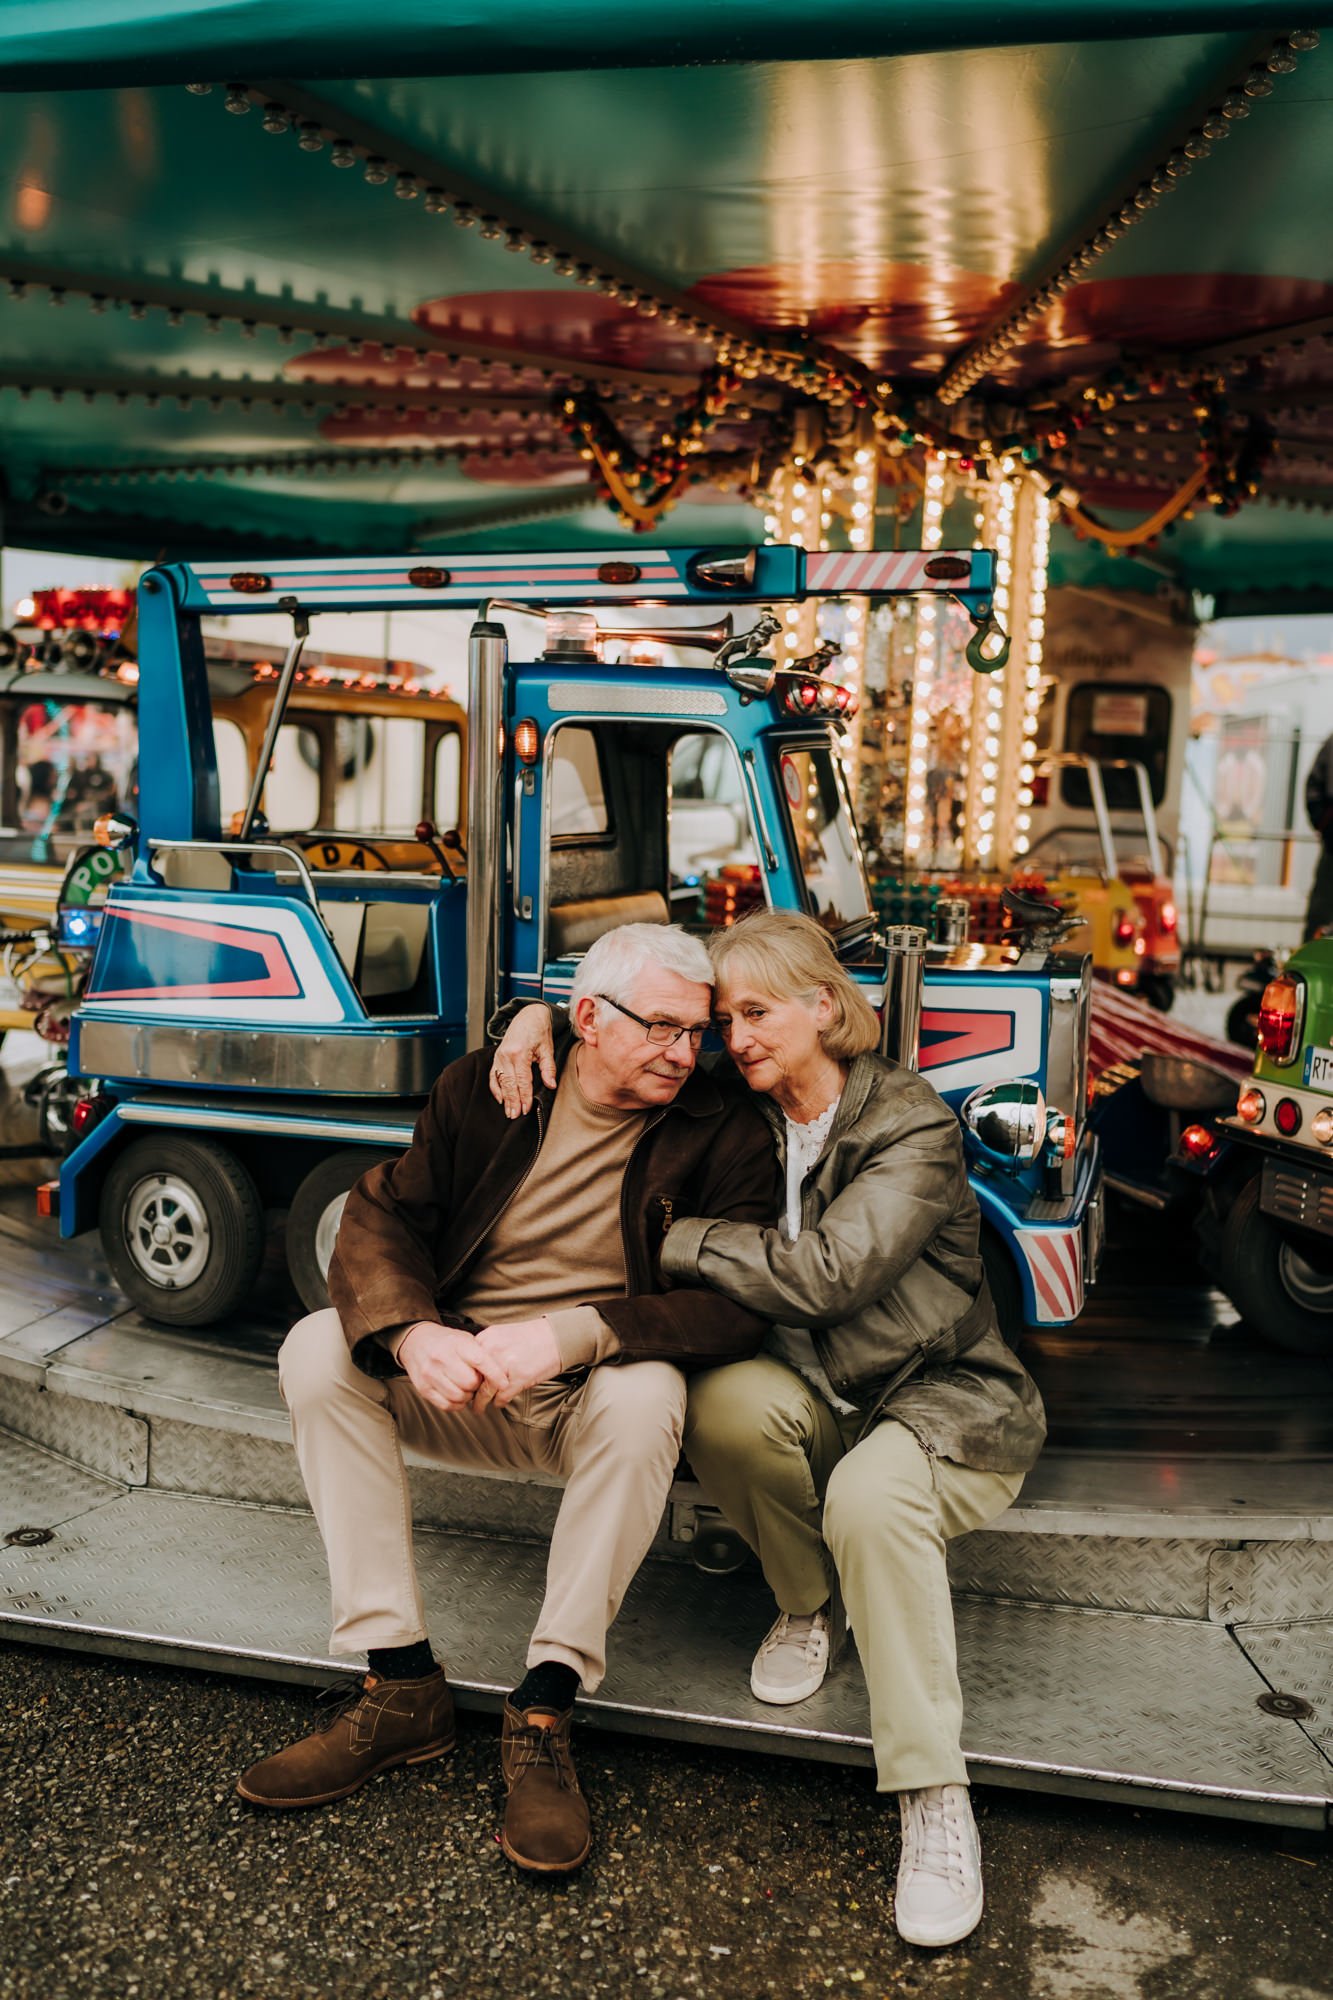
(278, 982)
(984, 1033)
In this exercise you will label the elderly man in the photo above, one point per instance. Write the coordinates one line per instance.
(497, 1305)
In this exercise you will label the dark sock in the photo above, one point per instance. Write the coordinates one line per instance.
(550, 1684)
(402, 1663)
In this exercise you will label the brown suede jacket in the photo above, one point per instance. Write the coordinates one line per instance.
(412, 1226)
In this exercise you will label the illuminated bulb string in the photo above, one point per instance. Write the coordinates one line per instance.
(990, 721)
(924, 662)
(1033, 650)
(860, 535)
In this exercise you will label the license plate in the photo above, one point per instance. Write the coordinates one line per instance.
(1319, 1068)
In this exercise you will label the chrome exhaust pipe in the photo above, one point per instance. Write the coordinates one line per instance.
(487, 657)
(904, 981)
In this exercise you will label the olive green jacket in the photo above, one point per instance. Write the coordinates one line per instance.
(886, 1274)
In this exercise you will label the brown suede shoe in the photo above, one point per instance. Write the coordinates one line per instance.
(546, 1824)
(376, 1725)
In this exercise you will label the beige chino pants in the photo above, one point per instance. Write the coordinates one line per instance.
(612, 1436)
(786, 1471)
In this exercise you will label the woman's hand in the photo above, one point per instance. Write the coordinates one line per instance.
(527, 1040)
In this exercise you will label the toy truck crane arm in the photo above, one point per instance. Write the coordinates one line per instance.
(660, 576)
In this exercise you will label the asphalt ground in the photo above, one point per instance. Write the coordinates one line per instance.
(128, 1868)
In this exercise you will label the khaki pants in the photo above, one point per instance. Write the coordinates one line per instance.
(613, 1437)
(785, 1470)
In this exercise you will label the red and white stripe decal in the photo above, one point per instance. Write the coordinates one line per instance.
(1054, 1258)
(883, 569)
(1124, 1029)
(290, 987)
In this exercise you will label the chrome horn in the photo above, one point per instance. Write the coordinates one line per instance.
(709, 637)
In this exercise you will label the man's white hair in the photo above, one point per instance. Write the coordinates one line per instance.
(618, 960)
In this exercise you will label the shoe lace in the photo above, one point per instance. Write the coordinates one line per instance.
(934, 1836)
(808, 1630)
(337, 1701)
(535, 1744)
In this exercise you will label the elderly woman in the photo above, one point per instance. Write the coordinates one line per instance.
(887, 1414)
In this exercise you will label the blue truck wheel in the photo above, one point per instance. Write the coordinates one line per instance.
(183, 1229)
(312, 1220)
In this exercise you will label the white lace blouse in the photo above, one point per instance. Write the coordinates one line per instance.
(793, 1344)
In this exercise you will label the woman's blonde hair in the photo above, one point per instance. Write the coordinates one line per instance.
(790, 957)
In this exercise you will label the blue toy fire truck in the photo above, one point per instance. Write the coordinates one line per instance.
(269, 1003)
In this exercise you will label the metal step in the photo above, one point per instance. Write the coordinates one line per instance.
(1099, 1703)
(1118, 1627)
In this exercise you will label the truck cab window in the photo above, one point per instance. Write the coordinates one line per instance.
(715, 875)
(824, 836)
(578, 789)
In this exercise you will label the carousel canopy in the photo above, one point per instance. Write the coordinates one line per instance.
(324, 277)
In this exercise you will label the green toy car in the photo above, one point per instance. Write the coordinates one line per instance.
(1268, 1226)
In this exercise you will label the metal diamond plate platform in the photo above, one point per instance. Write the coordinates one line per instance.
(1271, 1583)
(1298, 1660)
(1166, 1575)
(1106, 1702)
(40, 1490)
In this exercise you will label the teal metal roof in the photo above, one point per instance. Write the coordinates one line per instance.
(218, 338)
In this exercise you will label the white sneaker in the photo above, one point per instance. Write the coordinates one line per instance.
(794, 1658)
(939, 1895)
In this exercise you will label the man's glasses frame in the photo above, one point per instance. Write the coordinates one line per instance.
(662, 1034)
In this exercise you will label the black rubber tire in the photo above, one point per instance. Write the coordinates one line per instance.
(1243, 1022)
(1004, 1286)
(229, 1202)
(1256, 1258)
(326, 1183)
(1159, 990)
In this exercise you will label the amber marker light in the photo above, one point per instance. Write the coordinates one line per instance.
(527, 740)
(1250, 1106)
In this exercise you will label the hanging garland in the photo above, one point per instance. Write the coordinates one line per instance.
(1087, 527)
(644, 485)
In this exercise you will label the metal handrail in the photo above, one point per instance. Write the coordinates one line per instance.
(297, 859)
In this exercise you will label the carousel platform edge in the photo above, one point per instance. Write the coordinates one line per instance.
(1160, 1709)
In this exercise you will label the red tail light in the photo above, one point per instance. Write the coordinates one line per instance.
(1166, 916)
(801, 697)
(1122, 930)
(1280, 1018)
(1041, 788)
(1198, 1141)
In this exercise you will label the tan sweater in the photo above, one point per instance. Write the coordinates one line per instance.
(558, 1248)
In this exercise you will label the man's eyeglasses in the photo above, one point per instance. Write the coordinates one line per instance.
(662, 1034)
